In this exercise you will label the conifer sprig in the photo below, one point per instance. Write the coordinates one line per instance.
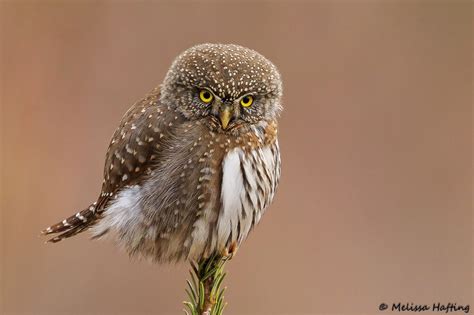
(204, 289)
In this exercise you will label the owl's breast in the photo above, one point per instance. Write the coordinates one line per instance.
(249, 181)
(238, 179)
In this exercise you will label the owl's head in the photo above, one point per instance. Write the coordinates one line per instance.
(227, 84)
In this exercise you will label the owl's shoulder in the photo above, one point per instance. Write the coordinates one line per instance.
(270, 132)
(137, 143)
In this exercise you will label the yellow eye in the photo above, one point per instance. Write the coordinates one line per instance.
(246, 101)
(205, 96)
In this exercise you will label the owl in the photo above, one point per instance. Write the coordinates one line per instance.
(192, 166)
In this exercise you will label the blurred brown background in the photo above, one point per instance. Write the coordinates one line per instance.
(375, 200)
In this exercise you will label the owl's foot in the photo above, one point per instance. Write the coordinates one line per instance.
(230, 251)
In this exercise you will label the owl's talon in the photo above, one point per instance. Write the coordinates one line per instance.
(228, 253)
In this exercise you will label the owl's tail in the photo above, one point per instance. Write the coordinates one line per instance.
(73, 225)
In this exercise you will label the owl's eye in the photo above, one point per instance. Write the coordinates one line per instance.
(246, 101)
(205, 96)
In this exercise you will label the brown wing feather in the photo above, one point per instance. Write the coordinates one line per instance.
(129, 160)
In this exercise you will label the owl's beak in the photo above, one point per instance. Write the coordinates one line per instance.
(225, 114)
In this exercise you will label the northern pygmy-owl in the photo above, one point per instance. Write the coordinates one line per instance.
(193, 165)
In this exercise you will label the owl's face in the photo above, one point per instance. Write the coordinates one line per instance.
(229, 85)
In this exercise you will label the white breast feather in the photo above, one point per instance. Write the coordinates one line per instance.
(269, 164)
(231, 191)
(249, 206)
(236, 206)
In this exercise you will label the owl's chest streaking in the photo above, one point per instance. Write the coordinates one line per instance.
(204, 191)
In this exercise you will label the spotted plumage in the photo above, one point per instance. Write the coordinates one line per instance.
(188, 174)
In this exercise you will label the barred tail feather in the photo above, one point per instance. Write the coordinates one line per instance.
(72, 225)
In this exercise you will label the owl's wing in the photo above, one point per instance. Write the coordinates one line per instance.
(133, 149)
(136, 143)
